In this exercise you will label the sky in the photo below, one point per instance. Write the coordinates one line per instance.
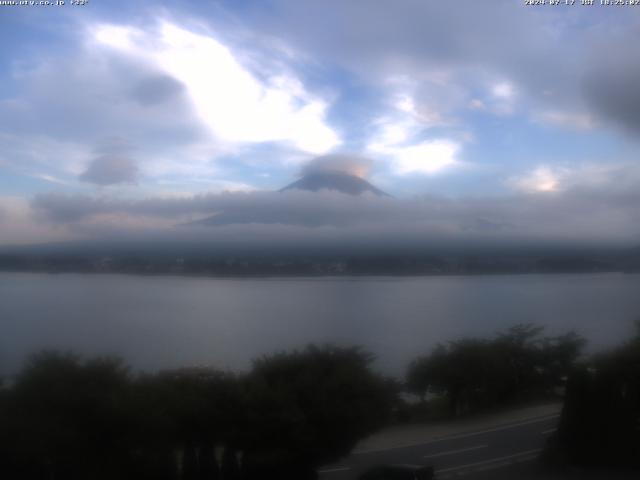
(480, 119)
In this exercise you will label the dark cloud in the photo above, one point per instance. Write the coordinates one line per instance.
(433, 29)
(612, 90)
(381, 40)
(156, 89)
(113, 163)
(111, 169)
(291, 207)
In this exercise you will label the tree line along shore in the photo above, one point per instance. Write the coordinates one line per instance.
(68, 417)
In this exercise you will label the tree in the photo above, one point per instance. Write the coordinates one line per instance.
(599, 423)
(70, 418)
(65, 418)
(428, 373)
(181, 416)
(310, 407)
(476, 373)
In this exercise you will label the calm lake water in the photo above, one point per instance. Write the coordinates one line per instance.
(160, 322)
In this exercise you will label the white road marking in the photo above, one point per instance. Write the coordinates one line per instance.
(493, 466)
(452, 452)
(337, 469)
(501, 461)
(457, 436)
(547, 432)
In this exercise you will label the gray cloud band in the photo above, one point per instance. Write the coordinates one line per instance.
(577, 216)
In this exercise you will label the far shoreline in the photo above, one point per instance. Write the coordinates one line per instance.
(239, 276)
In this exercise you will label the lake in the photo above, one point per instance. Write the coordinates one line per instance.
(167, 321)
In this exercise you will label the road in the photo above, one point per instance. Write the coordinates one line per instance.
(470, 454)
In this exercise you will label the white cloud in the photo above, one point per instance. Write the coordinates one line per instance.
(573, 120)
(229, 186)
(405, 104)
(501, 99)
(236, 105)
(592, 177)
(427, 157)
(503, 90)
(397, 138)
(541, 179)
(393, 133)
(423, 114)
(50, 178)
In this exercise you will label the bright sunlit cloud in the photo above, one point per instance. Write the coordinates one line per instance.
(427, 157)
(542, 179)
(234, 103)
(503, 90)
(396, 138)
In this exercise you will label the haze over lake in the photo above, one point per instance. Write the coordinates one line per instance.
(165, 321)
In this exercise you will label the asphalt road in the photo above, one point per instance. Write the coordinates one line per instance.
(499, 449)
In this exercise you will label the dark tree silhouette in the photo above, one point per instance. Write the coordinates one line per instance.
(475, 373)
(67, 418)
(182, 414)
(600, 425)
(310, 407)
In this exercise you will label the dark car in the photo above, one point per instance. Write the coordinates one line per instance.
(398, 472)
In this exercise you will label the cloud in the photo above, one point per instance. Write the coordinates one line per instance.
(503, 90)
(602, 179)
(416, 109)
(156, 89)
(502, 99)
(374, 36)
(426, 157)
(236, 104)
(351, 164)
(110, 170)
(41, 156)
(185, 101)
(488, 54)
(611, 88)
(430, 156)
(112, 164)
(213, 104)
(19, 225)
(541, 179)
(381, 40)
(52, 131)
(424, 100)
(586, 207)
(571, 120)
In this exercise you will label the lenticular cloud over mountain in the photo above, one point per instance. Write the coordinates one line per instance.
(340, 173)
(348, 164)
